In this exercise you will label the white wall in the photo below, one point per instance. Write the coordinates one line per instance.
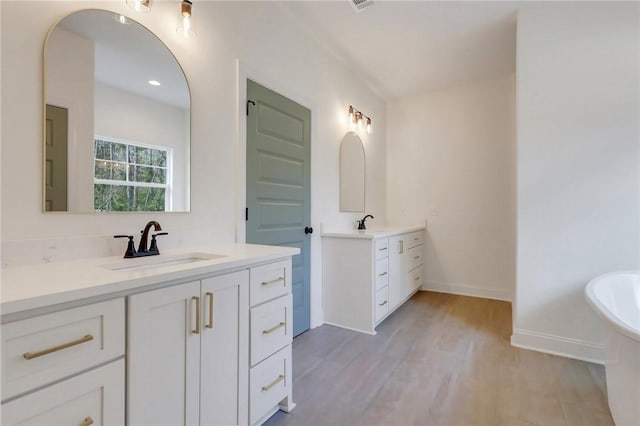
(258, 34)
(578, 167)
(70, 71)
(451, 157)
(127, 116)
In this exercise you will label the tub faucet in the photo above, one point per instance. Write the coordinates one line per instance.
(361, 222)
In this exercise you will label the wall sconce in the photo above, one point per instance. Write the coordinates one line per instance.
(186, 25)
(140, 6)
(359, 119)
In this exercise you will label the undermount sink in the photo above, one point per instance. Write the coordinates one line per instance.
(159, 261)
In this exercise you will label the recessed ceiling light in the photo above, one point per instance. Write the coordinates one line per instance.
(154, 82)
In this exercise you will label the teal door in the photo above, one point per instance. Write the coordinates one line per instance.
(278, 185)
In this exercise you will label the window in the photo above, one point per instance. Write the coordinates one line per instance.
(130, 176)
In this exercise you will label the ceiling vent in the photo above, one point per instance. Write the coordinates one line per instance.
(361, 4)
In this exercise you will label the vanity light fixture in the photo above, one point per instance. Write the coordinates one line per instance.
(359, 119)
(154, 82)
(186, 25)
(140, 6)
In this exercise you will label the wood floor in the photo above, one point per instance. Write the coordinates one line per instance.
(441, 359)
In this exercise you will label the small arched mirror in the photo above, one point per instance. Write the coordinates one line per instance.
(117, 118)
(352, 174)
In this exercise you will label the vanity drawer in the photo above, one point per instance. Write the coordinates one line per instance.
(43, 349)
(381, 248)
(417, 277)
(381, 273)
(414, 238)
(95, 397)
(270, 328)
(415, 256)
(381, 304)
(268, 282)
(269, 383)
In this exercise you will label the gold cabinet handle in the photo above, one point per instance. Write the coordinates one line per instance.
(416, 239)
(416, 278)
(197, 329)
(272, 384)
(383, 303)
(416, 257)
(210, 296)
(382, 274)
(274, 328)
(88, 421)
(277, 280)
(84, 339)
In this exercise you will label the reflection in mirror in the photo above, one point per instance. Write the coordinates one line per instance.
(352, 174)
(117, 118)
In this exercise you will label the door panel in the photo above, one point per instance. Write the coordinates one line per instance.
(278, 184)
(56, 139)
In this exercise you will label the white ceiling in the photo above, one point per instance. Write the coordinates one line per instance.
(405, 47)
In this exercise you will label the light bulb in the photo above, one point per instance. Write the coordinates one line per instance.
(351, 116)
(186, 27)
(139, 6)
(368, 125)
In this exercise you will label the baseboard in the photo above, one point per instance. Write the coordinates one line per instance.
(466, 290)
(558, 345)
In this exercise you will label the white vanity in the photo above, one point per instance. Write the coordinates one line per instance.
(369, 274)
(199, 339)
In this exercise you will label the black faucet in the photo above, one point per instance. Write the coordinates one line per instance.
(361, 222)
(142, 247)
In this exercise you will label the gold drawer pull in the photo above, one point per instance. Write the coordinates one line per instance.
(83, 339)
(383, 303)
(416, 278)
(416, 239)
(416, 257)
(88, 421)
(272, 384)
(274, 328)
(382, 274)
(277, 280)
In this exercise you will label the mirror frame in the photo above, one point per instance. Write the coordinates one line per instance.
(44, 118)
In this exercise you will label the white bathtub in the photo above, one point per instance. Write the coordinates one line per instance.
(616, 298)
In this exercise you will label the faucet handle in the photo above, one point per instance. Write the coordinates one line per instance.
(153, 248)
(131, 249)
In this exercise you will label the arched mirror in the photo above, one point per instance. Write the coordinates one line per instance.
(352, 174)
(117, 118)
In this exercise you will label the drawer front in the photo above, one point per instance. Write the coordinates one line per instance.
(417, 277)
(40, 350)
(381, 248)
(414, 238)
(382, 273)
(270, 328)
(95, 397)
(269, 282)
(382, 303)
(269, 383)
(415, 256)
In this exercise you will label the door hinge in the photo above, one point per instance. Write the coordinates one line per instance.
(249, 102)
(246, 214)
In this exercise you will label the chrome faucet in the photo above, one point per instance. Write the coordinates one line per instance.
(361, 222)
(142, 247)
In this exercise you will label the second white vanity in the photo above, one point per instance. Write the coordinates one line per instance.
(368, 275)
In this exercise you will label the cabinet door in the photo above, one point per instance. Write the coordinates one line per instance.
(163, 363)
(95, 397)
(223, 385)
(399, 285)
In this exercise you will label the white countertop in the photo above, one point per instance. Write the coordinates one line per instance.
(38, 286)
(371, 233)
